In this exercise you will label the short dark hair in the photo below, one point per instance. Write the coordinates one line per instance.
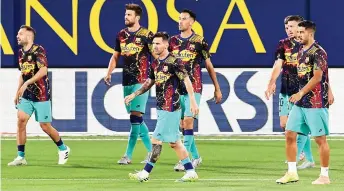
(286, 19)
(163, 35)
(296, 18)
(28, 28)
(308, 25)
(134, 7)
(191, 13)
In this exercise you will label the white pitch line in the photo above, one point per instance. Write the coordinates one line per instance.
(121, 139)
(117, 179)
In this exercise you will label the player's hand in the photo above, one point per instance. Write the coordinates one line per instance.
(129, 98)
(217, 96)
(330, 97)
(194, 108)
(296, 97)
(270, 90)
(107, 79)
(22, 89)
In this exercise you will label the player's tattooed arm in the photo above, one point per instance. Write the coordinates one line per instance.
(145, 87)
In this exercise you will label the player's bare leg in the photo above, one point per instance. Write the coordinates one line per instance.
(187, 125)
(51, 131)
(300, 144)
(283, 123)
(64, 151)
(324, 151)
(183, 156)
(23, 118)
(143, 175)
(291, 175)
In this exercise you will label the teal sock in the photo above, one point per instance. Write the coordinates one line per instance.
(301, 141)
(308, 150)
(144, 134)
(194, 150)
(21, 154)
(134, 134)
(188, 139)
(60, 145)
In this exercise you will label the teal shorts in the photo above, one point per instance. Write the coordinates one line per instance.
(42, 109)
(139, 103)
(284, 105)
(308, 120)
(167, 126)
(185, 104)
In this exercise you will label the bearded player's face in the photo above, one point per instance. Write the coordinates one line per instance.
(129, 18)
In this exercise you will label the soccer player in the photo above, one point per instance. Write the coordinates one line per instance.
(134, 44)
(193, 50)
(33, 95)
(167, 73)
(286, 60)
(310, 114)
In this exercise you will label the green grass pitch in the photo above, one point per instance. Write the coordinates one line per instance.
(252, 163)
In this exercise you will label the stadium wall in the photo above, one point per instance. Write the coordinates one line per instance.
(241, 33)
(83, 105)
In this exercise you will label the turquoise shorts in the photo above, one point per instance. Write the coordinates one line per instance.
(42, 109)
(139, 103)
(284, 105)
(308, 120)
(167, 126)
(185, 104)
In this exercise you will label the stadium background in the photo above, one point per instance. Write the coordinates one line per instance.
(79, 35)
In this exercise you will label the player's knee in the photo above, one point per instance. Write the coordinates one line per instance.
(22, 118)
(173, 145)
(188, 123)
(290, 136)
(321, 140)
(156, 150)
(136, 113)
(45, 126)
